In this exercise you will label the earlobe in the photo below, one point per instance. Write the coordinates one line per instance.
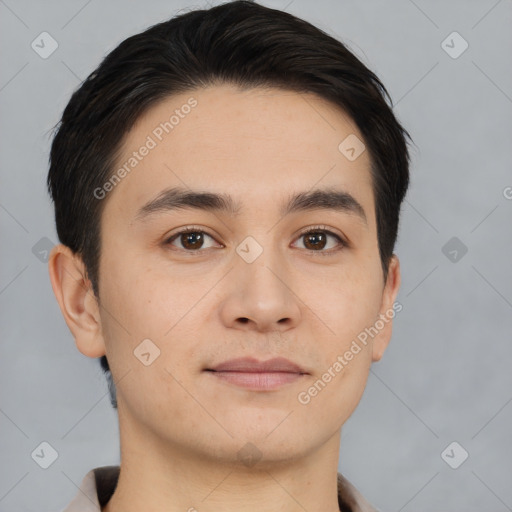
(387, 311)
(76, 300)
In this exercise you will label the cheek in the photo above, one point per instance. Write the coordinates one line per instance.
(145, 304)
(149, 338)
(346, 304)
(332, 396)
(142, 304)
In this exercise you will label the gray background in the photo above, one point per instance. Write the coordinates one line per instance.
(446, 375)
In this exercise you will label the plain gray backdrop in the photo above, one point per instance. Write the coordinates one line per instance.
(446, 376)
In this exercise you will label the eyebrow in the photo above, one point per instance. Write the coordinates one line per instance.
(319, 199)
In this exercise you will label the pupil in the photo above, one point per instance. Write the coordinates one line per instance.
(189, 237)
(316, 236)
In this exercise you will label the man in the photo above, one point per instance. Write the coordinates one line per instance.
(227, 189)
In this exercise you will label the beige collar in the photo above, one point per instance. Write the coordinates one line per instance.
(99, 484)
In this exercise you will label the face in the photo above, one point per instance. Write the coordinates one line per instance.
(256, 280)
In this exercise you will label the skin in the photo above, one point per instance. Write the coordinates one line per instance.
(180, 427)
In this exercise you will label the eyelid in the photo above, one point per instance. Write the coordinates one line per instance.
(189, 229)
(343, 242)
(322, 227)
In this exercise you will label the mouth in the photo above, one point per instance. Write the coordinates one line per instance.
(257, 375)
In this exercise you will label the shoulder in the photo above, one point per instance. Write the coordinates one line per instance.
(95, 490)
(350, 499)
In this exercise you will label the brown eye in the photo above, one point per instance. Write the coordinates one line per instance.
(317, 239)
(190, 239)
(193, 240)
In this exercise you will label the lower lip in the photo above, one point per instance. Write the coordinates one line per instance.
(258, 381)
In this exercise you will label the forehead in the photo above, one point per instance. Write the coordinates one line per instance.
(258, 145)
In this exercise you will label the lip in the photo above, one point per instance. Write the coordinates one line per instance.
(252, 365)
(257, 375)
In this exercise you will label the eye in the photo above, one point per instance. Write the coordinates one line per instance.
(315, 240)
(191, 239)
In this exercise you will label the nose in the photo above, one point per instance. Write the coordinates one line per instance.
(261, 296)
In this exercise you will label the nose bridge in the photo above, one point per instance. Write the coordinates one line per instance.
(262, 295)
(259, 260)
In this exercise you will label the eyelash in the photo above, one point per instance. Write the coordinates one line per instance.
(315, 229)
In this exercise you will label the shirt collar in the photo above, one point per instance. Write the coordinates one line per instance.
(99, 484)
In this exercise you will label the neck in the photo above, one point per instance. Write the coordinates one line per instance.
(157, 475)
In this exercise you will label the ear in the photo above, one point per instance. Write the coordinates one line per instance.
(76, 299)
(387, 311)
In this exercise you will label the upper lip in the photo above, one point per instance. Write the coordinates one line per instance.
(251, 365)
